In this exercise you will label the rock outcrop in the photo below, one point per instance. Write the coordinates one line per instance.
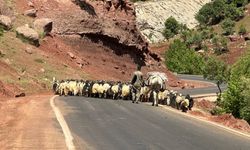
(151, 16)
(28, 34)
(43, 25)
(6, 22)
(30, 12)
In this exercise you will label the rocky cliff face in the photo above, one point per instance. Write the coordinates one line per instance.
(150, 16)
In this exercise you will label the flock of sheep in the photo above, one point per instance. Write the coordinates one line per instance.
(119, 90)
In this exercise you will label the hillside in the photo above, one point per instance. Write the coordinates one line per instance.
(151, 16)
(86, 42)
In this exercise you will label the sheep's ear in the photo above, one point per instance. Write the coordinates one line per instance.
(54, 79)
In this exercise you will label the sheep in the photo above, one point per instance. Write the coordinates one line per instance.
(55, 85)
(144, 94)
(80, 86)
(72, 85)
(87, 88)
(126, 91)
(115, 90)
(184, 104)
(94, 90)
(106, 91)
(163, 96)
(63, 88)
(100, 89)
(191, 101)
(178, 100)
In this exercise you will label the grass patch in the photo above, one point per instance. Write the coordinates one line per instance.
(244, 21)
(39, 60)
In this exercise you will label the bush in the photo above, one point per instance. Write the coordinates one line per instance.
(38, 60)
(232, 12)
(239, 3)
(211, 13)
(220, 44)
(179, 58)
(242, 30)
(172, 27)
(217, 111)
(1, 31)
(227, 26)
(215, 69)
(236, 97)
(217, 10)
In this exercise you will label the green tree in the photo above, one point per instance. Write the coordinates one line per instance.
(242, 30)
(245, 109)
(239, 3)
(233, 12)
(227, 26)
(216, 70)
(172, 27)
(168, 34)
(179, 58)
(205, 14)
(217, 10)
(236, 97)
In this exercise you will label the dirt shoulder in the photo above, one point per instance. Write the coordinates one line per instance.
(29, 123)
(203, 107)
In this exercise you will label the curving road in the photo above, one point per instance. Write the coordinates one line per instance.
(199, 91)
(120, 125)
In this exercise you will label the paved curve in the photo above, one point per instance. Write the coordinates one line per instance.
(120, 125)
(198, 91)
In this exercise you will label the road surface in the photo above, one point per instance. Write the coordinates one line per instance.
(198, 91)
(120, 125)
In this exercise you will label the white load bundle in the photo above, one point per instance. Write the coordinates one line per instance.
(160, 74)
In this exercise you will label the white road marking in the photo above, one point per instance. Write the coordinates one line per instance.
(67, 134)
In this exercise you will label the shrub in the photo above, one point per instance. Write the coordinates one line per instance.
(217, 111)
(239, 3)
(232, 12)
(215, 69)
(227, 26)
(168, 34)
(236, 97)
(220, 44)
(1, 31)
(242, 30)
(217, 10)
(211, 13)
(181, 59)
(172, 27)
(38, 60)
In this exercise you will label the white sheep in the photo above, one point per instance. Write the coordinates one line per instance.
(80, 86)
(126, 91)
(72, 85)
(106, 87)
(115, 91)
(94, 90)
(184, 105)
(144, 94)
(100, 90)
(178, 100)
(163, 96)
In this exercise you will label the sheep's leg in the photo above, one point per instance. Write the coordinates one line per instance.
(133, 97)
(154, 98)
(157, 100)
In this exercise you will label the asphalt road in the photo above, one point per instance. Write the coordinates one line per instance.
(197, 91)
(120, 125)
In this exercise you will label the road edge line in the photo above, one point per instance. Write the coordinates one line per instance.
(66, 131)
(208, 122)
